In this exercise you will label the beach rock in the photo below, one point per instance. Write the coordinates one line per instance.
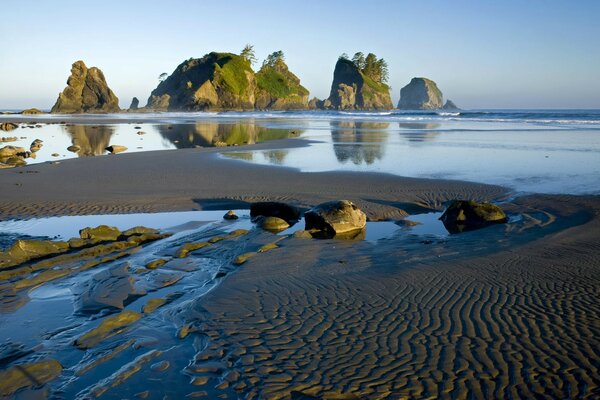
(230, 215)
(32, 111)
(464, 215)
(100, 233)
(5, 139)
(315, 104)
(353, 89)
(286, 212)
(14, 161)
(217, 81)
(36, 145)
(22, 376)
(115, 148)
(277, 88)
(25, 250)
(450, 105)
(140, 230)
(335, 217)
(74, 149)
(8, 126)
(420, 94)
(86, 91)
(135, 103)
(273, 224)
(9, 151)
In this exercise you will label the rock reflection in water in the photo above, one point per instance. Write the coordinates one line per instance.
(91, 140)
(425, 133)
(216, 134)
(359, 142)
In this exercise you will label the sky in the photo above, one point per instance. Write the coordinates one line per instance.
(482, 54)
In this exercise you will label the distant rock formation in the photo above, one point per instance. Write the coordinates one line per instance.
(353, 89)
(217, 81)
(86, 91)
(278, 88)
(422, 94)
(135, 103)
(450, 105)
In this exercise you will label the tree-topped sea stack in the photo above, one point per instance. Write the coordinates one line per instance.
(360, 84)
(86, 91)
(423, 94)
(217, 81)
(277, 87)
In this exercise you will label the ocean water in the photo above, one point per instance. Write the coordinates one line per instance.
(539, 151)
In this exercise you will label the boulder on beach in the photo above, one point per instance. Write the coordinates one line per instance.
(277, 88)
(86, 91)
(100, 233)
(9, 151)
(286, 212)
(115, 148)
(25, 250)
(335, 218)
(36, 145)
(464, 215)
(8, 126)
(230, 215)
(273, 224)
(357, 86)
(420, 94)
(74, 149)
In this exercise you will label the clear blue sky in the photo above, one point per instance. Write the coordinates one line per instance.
(482, 54)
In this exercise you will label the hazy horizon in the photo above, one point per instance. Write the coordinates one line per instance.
(482, 55)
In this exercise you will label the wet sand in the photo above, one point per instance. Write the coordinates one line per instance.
(510, 311)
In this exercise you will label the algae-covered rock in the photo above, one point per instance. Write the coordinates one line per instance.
(109, 327)
(8, 126)
(25, 250)
(464, 215)
(335, 217)
(100, 233)
(28, 375)
(420, 94)
(115, 148)
(32, 111)
(357, 86)
(9, 151)
(278, 88)
(273, 224)
(86, 91)
(140, 230)
(217, 81)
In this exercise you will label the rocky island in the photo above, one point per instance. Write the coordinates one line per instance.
(86, 92)
(423, 94)
(359, 84)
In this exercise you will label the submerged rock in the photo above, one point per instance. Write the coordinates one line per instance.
(463, 215)
(86, 91)
(335, 217)
(288, 213)
(28, 375)
(420, 94)
(109, 327)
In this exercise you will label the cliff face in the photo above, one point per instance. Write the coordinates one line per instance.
(217, 81)
(420, 94)
(86, 91)
(279, 89)
(353, 90)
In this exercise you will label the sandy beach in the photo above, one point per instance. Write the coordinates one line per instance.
(508, 311)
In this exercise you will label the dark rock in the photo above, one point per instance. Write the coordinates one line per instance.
(135, 103)
(450, 105)
(464, 215)
(335, 217)
(86, 91)
(115, 148)
(230, 215)
(286, 212)
(420, 94)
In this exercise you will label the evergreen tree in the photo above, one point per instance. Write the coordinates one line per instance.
(248, 54)
(359, 60)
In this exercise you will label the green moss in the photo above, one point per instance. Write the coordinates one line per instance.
(230, 70)
(376, 86)
(279, 82)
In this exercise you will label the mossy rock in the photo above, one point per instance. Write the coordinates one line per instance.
(273, 224)
(25, 250)
(28, 375)
(109, 327)
(340, 217)
(100, 233)
(466, 215)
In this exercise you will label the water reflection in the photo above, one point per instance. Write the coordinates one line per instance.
(359, 142)
(215, 134)
(425, 134)
(91, 140)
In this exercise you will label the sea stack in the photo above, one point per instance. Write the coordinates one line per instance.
(421, 94)
(277, 87)
(217, 81)
(135, 103)
(86, 91)
(358, 86)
